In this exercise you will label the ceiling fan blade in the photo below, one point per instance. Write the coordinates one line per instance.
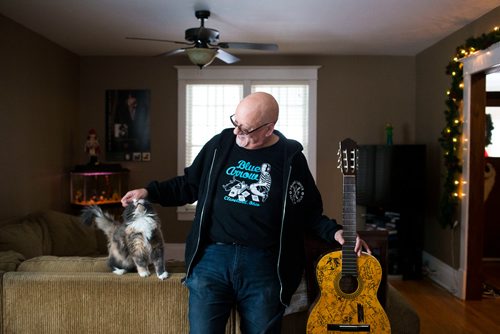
(254, 46)
(171, 53)
(226, 57)
(158, 40)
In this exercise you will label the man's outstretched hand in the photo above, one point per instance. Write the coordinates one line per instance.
(134, 195)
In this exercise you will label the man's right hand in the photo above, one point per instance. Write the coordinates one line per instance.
(134, 194)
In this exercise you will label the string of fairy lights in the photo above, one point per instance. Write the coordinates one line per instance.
(451, 138)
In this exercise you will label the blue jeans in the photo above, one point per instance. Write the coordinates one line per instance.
(229, 275)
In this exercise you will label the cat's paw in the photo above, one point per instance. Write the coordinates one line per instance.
(144, 273)
(119, 271)
(163, 276)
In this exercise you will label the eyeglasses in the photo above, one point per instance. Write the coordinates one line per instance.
(243, 131)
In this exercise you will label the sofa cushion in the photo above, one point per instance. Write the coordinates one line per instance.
(28, 236)
(70, 237)
(51, 233)
(10, 260)
(79, 264)
(65, 264)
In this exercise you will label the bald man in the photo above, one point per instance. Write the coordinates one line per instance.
(256, 200)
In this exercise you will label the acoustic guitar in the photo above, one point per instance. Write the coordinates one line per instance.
(348, 283)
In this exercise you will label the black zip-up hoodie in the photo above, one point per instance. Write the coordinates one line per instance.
(302, 207)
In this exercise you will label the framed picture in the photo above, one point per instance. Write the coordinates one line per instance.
(128, 125)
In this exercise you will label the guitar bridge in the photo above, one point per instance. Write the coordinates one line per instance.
(348, 328)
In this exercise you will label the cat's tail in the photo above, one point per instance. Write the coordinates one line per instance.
(103, 220)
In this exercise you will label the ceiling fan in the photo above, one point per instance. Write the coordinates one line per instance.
(203, 44)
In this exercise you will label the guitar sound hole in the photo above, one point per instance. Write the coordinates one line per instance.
(348, 284)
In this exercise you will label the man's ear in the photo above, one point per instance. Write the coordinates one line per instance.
(270, 130)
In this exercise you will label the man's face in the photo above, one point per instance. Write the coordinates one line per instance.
(251, 132)
(254, 121)
(132, 102)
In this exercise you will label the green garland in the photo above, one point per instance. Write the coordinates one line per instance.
(450, 139)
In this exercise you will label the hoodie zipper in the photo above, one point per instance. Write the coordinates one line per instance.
(281, 235)
(202, 214)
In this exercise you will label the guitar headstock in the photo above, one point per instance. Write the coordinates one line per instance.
(348, 156)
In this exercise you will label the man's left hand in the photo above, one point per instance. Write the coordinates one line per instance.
(360, 243)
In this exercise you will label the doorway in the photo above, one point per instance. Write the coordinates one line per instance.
(473, 208)
(491, 247)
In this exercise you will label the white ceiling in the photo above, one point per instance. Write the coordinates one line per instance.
(322, 27)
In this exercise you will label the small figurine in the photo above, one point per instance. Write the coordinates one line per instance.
(92, 147)
(78, 196)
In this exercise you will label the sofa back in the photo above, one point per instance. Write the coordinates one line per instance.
(84, 302)
(51, 233)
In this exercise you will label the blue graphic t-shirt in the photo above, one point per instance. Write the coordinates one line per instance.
(248, 200)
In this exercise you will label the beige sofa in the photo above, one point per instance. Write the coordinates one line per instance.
(54, 279)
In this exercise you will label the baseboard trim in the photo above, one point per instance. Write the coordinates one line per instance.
(444, 275)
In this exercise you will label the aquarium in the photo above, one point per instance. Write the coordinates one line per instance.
(98, 185)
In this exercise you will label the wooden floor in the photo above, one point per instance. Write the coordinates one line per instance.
(441, 312)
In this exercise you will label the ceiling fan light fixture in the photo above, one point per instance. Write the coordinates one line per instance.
(201, 57)
(204, 45)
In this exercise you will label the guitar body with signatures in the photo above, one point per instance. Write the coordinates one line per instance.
(348, 283)
(347, 303)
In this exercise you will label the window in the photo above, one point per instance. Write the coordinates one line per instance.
(293, 100)
(208, 97)
(208, 107)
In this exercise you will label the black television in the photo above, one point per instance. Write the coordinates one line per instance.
(390, 176)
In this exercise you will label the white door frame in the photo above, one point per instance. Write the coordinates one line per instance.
(478, 62)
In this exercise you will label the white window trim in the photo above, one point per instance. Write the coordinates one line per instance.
(191, 74)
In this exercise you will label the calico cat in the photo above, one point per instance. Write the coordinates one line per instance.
(134, 244)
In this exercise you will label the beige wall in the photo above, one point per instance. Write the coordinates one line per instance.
(356, 97)
(157, 74)
(39, 94)
(432, 84)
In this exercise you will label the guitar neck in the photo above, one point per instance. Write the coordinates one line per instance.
(349, 258)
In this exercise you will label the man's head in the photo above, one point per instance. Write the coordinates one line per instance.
(131, 102)
(254, 121)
